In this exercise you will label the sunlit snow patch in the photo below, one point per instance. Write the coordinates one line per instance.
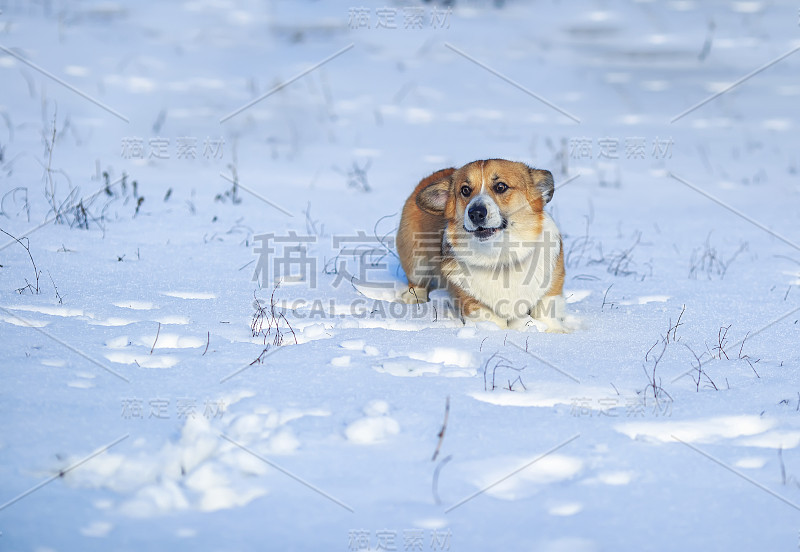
(170, 341)
(377, 426)
(408, 368)
(531, 479)
(189, 294)
(697, 431)
(24, 322)
(134, 305)
(565, 509)
(49, 310)
(143, 359)
(546, 394)
(112, 322)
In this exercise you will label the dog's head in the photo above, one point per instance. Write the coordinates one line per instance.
(484, 201)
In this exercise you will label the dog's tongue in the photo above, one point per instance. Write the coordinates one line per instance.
(483, 233)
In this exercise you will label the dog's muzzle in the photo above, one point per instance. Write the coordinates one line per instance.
(483, 219)
(483, 233)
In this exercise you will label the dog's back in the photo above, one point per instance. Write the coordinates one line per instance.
(419, 242)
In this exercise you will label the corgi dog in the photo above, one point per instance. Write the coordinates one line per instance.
(481, 232)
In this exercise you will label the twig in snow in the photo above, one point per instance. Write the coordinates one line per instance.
(500, 362)
(674, 329)
(273, 318)
(36, 271)
(443, 430)
(208, 342)
(435, 482)
(783, 466)
(746, 358)
(654, 382)
(58, 295)
(604, 298)
(260, 358)
(156, 340)
(700, 371)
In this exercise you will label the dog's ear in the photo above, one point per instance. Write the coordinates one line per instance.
(543, 181)
(434, 196)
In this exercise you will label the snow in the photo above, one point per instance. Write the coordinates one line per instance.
(140, 411)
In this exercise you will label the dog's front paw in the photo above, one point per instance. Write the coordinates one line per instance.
(484, 315)
(414, 295)
(558, 328)
(556, 325)
(549, 325)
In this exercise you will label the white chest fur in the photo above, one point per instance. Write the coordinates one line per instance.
(509, 275)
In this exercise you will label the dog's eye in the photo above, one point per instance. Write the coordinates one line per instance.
(500, 187)
(466, 190)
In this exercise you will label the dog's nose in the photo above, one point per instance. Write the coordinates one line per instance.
(477, 214)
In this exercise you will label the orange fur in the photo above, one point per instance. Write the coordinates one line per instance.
(422, 271)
